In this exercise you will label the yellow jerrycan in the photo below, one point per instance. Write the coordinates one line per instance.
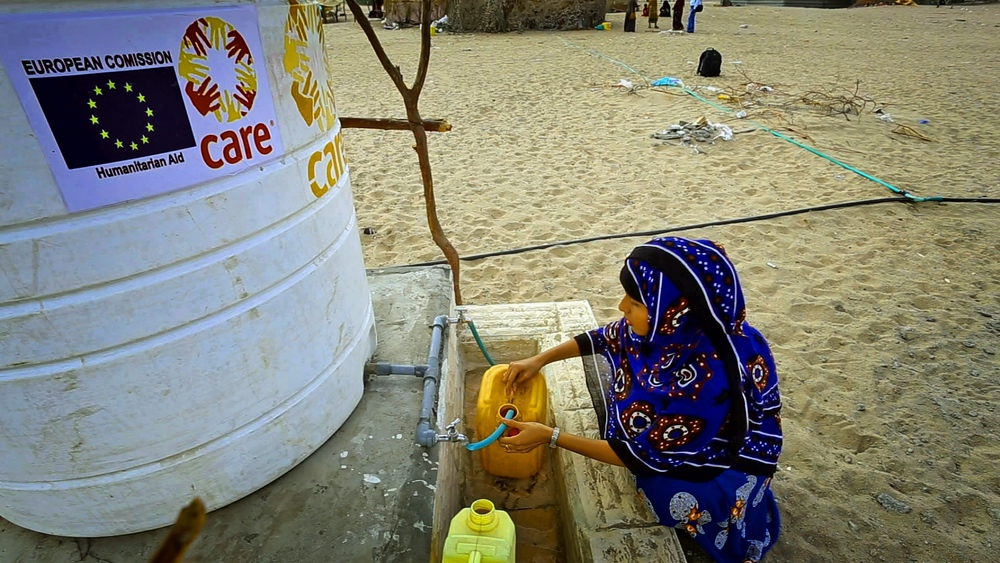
(530, 404)
(480, 534)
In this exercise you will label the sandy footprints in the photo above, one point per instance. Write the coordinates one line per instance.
(837, 429)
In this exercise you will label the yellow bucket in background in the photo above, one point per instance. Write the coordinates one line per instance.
(480, 534)
(531, 405)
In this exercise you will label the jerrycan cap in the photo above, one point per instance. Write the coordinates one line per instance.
(483, 516)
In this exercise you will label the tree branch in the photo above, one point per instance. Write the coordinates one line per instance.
(411, 97)
(425, 49)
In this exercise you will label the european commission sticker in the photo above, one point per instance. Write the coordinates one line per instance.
(132, 105)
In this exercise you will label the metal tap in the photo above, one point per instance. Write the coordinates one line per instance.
(452, 433)
(461, 317)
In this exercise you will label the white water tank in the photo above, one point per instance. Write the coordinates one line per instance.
(184, 309)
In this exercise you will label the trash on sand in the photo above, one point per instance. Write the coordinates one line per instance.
(668, 81)
(603, 26)
(884, 117)
(625, 83)
(741, 114)
(911, 132)
(744, 26)
(924, 121)
(772, 265)
(369, 478)
(702, 131)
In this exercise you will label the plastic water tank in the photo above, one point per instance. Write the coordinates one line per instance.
(184, 309)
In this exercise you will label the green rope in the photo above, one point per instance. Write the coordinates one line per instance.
(761, 127)
(816, 152)
(482, 347)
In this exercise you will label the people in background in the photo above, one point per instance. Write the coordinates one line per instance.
(633, 6)
(696, 6)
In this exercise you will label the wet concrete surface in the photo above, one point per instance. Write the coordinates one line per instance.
(367, 494)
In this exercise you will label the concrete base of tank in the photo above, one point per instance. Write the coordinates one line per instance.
(369, 493)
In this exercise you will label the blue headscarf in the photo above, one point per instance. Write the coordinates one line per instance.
(698, 394)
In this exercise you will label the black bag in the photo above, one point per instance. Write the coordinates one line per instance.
(710, 63)
(699, 8)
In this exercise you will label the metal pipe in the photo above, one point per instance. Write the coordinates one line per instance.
(426, 436)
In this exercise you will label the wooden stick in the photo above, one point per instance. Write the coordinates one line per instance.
(411, 97)
(435, 125)
(182, 534)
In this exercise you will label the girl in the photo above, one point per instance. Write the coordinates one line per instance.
(691, 403)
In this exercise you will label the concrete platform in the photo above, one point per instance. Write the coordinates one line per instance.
(370, 493)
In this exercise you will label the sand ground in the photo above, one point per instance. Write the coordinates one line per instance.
(884, 319)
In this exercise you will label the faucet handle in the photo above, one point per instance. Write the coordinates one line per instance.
(452, 427)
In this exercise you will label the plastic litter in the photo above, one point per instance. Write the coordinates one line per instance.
(702, 131)
(885, 117)
(625, 83)
(669, 81)
(741, 114)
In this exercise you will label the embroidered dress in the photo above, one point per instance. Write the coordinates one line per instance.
(692, 408)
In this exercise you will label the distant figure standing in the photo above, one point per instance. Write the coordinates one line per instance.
(633, 6)
(654, 14)
(678, 15)
(694, 9)
(665, 9)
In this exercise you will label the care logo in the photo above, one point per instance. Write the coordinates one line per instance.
(218, 67)
(305, 61)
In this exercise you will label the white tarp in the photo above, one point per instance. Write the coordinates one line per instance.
(128, 105)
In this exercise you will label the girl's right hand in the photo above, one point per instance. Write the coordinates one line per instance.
(519, 372)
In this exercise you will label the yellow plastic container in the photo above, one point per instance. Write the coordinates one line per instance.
(531, 405)
(480, 534)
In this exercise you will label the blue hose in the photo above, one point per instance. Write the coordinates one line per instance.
(492, 437)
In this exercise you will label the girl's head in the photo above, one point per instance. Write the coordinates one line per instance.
(674, 285)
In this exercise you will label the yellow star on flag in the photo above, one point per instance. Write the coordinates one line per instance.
(149, 112)
(93, 120)
(97, 90)
(142, 98)
(128, 87)
(92, 104)
(111, 85)
(134, 146)
(145, 140)
(118, 144)
(149, 127)
(104, 134)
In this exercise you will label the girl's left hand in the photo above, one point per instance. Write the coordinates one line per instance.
(530, 436)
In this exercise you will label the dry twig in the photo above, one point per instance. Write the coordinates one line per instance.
(908, 131)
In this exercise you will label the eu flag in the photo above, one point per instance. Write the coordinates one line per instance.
(113, 116)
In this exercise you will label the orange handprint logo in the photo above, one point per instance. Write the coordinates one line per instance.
(305, 62)
(209, 41)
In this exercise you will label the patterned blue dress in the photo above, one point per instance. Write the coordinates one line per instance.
(693, 408)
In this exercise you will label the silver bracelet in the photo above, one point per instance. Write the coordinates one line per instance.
(555, 438)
